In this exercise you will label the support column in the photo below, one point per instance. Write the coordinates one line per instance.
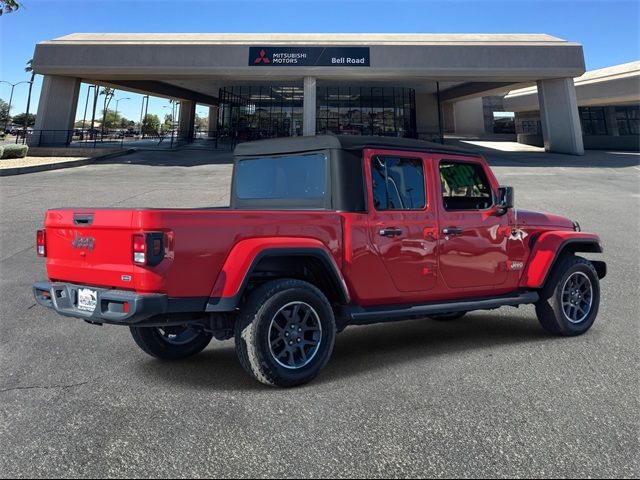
(187, 120)
(611, 121)
(559, 116)
(427, 126)
(309, 107)
(56, 111)
(213, 121)
(469, 117)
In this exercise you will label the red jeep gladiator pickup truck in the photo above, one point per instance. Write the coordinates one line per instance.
(322, 232)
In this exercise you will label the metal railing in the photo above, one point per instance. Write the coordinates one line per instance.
(95, 139)
(220, 140)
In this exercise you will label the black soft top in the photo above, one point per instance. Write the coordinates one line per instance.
(284, 145)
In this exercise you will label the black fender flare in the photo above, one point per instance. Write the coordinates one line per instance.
(228, 304)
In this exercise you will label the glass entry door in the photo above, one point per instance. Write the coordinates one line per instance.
(256, 112)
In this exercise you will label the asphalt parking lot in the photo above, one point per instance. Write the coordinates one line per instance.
(489, 395)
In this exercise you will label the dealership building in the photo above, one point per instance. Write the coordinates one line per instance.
(269, 85)
(608, 107)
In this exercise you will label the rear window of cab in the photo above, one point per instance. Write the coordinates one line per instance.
(287, 177)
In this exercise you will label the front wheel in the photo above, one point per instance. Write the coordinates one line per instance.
(285, 333)
(170, 343)
(570, 300)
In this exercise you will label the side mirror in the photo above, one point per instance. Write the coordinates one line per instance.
(505, 199)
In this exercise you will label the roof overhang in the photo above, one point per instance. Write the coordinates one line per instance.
(186, 60)
(616, 85)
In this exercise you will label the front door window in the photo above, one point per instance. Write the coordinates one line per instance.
(473, 250)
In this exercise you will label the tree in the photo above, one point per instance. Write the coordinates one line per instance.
(21, 119)
(168, 122)
(8, 6)
(202, 123)
(108, 95)
(150, 124)
(4, 112)
(110, 119)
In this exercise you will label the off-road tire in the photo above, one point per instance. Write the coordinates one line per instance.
(549, 308)
(253, 330)
(152, 342)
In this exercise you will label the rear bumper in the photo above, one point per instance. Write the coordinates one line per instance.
(119, 307)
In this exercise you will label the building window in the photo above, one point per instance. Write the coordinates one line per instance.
(366, 111)
(628, 119)
(250, 112)
(529, 127)
(592, 120)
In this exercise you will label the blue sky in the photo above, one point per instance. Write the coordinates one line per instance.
(608, 29)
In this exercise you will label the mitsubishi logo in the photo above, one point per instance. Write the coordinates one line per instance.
(262, 58)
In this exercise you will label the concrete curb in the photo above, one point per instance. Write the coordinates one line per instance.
(60, 165)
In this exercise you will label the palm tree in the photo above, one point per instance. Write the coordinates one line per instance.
(8, 6)
(29, 69)
(108, 95)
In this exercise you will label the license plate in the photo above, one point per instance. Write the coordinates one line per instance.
(87, 299)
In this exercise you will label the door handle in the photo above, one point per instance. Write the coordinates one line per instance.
(390, 232)
(452, 231)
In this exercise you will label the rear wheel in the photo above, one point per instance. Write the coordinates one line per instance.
(170, 343)
(570, 300)
(285, 333)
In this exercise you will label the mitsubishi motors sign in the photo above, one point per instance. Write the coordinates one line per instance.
(309, 56)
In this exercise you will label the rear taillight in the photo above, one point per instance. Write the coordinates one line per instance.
(139, 249)
(148, 248)
(41, 243)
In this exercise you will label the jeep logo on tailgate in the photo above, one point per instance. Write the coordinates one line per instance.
(83, 242)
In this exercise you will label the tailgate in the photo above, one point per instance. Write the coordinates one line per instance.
(90, 247)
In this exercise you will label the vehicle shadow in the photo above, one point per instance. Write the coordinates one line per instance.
(215, 369)
(175, 158)
(361, 350)
(358, 351)
(591, 159)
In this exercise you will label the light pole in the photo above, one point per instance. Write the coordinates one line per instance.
(86, 104)
(201, 115)
(13, 85)
(124, 98)
(93, 115)
(173, 120)
(143, 113)
(172, 106)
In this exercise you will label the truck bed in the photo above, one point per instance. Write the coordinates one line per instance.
(94, 246)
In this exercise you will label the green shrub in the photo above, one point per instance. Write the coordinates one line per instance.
(1, 150)
(14, 151)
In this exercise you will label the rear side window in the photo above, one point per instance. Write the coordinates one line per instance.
(291, 177)
(465, 186)
(398, 183)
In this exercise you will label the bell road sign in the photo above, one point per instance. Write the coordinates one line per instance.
(309, 56)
